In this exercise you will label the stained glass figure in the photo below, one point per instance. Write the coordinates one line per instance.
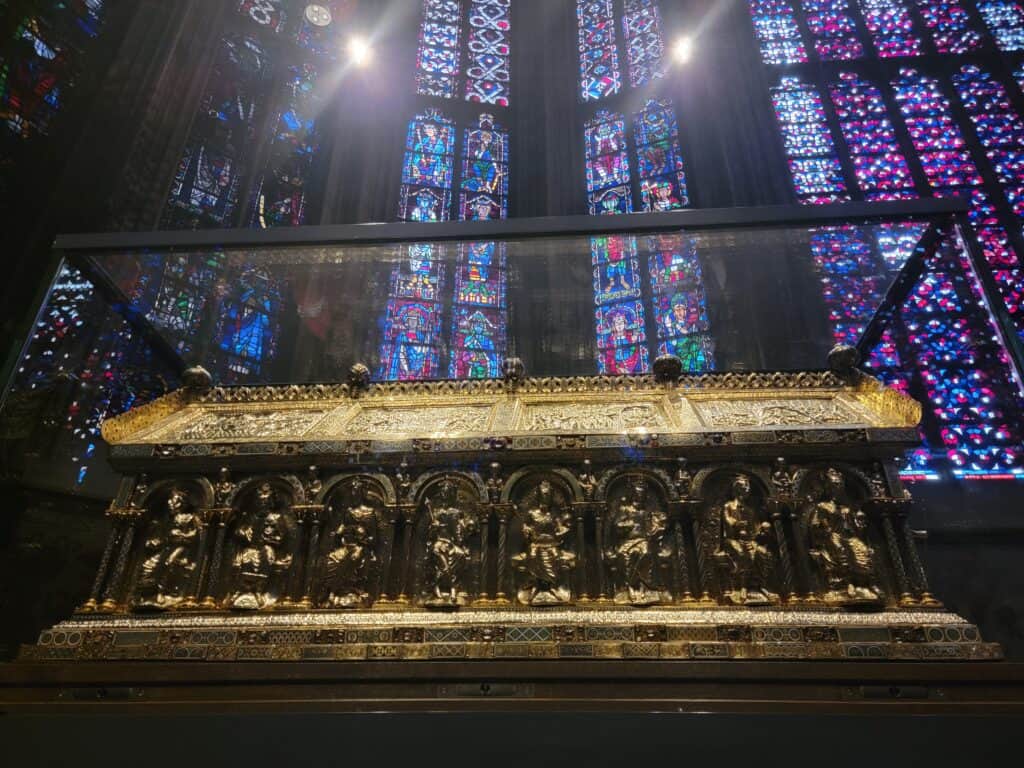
(777, 32)
(813, 162)
(680, 303)
(280, 198)
(621, 339)
(484, 192)
(426, 189)
(950, 26)
(645, 44)
(608, 182)
(1005, 20)
(249, 323)
(832, 29)
(437, 61)
(487, 70)
(205, 187)
(599, 59)
(411, 325)
(658, 158)
(891, 27)
(879, 165)
(616, 270)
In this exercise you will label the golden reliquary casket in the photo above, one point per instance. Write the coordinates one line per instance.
(719, 516)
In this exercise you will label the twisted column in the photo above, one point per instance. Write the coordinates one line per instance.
(223, 516)
(390, 517)
(112, 594)
(485, 536)
(409, 516)
(581, 548)
(703, 571)
(104, 567)
(785, 562)
(682, 565)
(314, 514)
(504, 513)
(920, 577)
(205, 518)
(892, 544)
(602, 586)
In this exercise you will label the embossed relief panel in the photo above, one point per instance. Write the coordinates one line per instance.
(445, 420)
(777, 412)
(542, 549)
(168, 557)
(263, 549)
(639, 552)
(447, 544)
(577, 416)
(349, 561)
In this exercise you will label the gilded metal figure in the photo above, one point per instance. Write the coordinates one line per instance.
(449, 528)
(349, 565)
(545, 562)
(165, 576)
(263, 556)
(839, 547)
(744, 559)
(638, 547)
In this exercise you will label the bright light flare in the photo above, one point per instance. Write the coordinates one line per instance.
(682, 49)
(360, 52)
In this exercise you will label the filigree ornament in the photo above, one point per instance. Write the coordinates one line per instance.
(545, 562)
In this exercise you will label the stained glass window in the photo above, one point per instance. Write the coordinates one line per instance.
(175, 291)
(280, 198)
(891, 27)
(599, 58)
(484, 184)
(878, 162)
(206, 186)
(645, 44)
(411, 326)
(487, 71)
(950, 26)
(437, 61)
(427, 169)
(813, 162)
(248, 324)
(1001, 132)
(619, 313)
(269, 14)
(479, 333)
(43, 64)
(832, 29)
(608, 182)
(1005, 20)
(108, 369)
(777, 32)
(680, 303)
(658, 158)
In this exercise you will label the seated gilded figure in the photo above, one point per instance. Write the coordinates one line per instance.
(449, 528)
(743, 556)
(349, 565)
(837, 532)
(263, 557)
(638, 547)
(545, 562)
(166, 573)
